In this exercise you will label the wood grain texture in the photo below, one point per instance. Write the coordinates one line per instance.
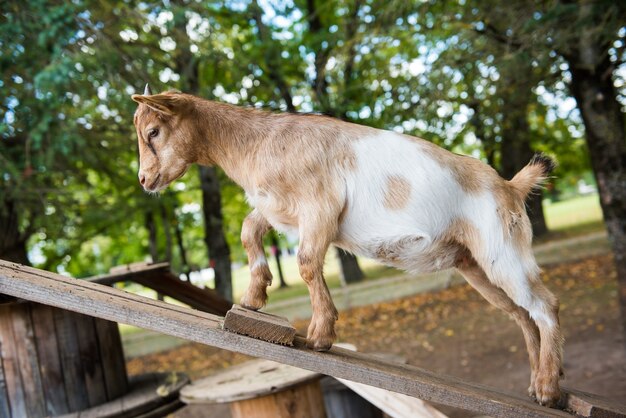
(27, 359)
(158, 277)
(69, 353)
(13, 378)
(301, 401)
(110, 345)
(116, 305)
(248, 380)
(89, 352)
(589, 405)
(261, 325)
(4, 396)
(395, 405)
(48, 349)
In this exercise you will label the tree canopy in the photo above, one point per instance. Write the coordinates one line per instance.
(493, 82)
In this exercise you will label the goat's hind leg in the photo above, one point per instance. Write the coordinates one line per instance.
(545, 312)
(254, 228)
(519, 279)
(477, 278)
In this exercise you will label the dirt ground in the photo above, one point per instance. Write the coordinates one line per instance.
(456, 332)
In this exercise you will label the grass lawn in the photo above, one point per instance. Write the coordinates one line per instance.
(573, 213)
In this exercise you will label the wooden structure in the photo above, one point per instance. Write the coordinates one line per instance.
(150, 395)
(261, 389)
(55, 362)
(160, 278)
(116, 305)
(261, 325)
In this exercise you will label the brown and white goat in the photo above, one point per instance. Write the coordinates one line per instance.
(392, 197)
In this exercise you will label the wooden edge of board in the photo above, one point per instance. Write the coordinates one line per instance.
(590, 405)
(260, 325)
(126, 272)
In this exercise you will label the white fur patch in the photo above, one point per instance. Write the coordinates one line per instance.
(260, 261)
(435, 199)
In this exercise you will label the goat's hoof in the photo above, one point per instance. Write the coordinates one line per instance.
(318, 346)
(253, 305)
(547, 392)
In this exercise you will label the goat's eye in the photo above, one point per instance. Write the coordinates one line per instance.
(153, 133)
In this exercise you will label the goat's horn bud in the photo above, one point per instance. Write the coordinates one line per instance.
(146, 91)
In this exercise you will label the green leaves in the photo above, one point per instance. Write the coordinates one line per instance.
(447, 71)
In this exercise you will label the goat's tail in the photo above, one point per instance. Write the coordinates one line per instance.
(533, 175)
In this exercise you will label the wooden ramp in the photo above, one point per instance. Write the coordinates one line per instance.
(115, 305)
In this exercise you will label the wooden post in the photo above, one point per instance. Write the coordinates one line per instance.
(261, 389)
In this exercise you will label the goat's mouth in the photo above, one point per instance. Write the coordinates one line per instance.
(153, 186)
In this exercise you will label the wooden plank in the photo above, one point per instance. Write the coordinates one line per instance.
(90, 358)
(4, 396)
(158, 277)
(129, 272)
(73, 370)
(589, 405)
(261, 325)
(168, 284)
(110, 346)
(116, 305)
(27, 358)
(396, 405)
(48, 349)
(10, 364)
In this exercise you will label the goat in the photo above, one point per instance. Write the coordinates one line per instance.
(395, 198)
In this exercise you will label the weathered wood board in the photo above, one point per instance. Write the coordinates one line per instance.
(261, 325)
(159, 278)
(116, 305)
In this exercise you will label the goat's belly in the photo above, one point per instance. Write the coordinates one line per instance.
(414, 253)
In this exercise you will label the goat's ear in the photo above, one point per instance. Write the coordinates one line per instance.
(167, 104)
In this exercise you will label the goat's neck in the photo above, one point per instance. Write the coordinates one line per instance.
(230, 138)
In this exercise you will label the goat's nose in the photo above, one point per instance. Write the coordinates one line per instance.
(142, 179)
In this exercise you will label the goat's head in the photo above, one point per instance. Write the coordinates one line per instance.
(165, 132)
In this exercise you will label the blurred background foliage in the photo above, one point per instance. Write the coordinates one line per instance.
(491, 80)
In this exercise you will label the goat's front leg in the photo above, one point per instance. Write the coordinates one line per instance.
(255, 226)
(314, 242)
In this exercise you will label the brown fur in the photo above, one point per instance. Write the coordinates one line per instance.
(471, 174)
(397, 192)
(252, 231)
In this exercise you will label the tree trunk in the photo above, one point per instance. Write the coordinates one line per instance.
(276, 252)
(12, 242)
(152, 237)
(219, 253)
(350, 270)
(515, 148)
(515, 153)
(167, 232)
(181, 247)
(594, 91)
